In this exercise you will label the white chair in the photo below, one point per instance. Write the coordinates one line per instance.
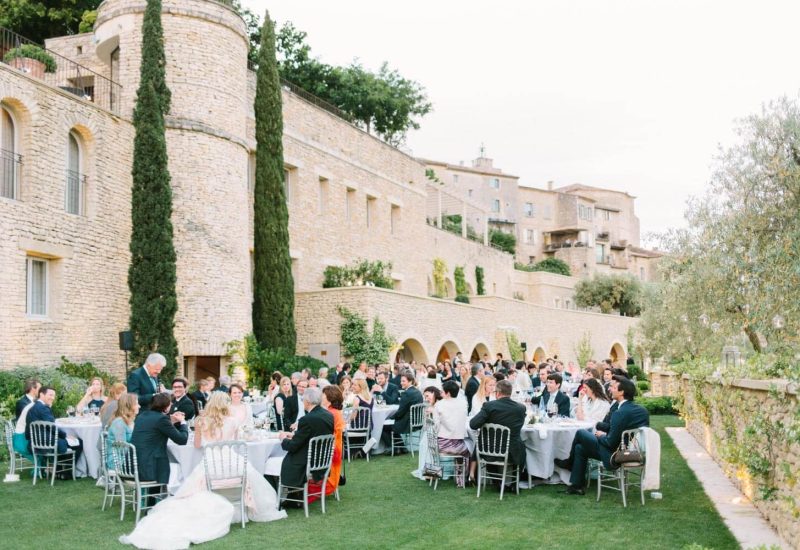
(131, 488)
(109, 476)
(620, 478)
(493, 445)
(225, 465)
(44, 446)
(358, 429)
(415, 424)
(320, 456)
(17, 461)
(435, 468)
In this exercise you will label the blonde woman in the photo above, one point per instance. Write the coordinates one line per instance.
(94, 395)
(286, 405)
(121, 428)
(116, 391)
(485, 393)
(361, 392)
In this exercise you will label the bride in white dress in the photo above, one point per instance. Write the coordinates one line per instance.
(194, 514)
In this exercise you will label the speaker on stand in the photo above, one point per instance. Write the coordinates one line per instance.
(126, 345)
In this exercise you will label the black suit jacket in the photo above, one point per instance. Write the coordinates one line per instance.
(151, 430)
(391, 394)
(402, 418)
(40, 411)
(23, 402)
(200, 397)
(315, 422)
(507, 413)
(562, 401)
(185, 405)
(290, 411)
(472, 388)
(395, 380)
(605, 424)
(140, 384)
(628, 416)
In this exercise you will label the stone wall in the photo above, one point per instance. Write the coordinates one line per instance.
(544, 288)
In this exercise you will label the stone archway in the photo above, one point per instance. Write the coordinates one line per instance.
(478, 352)
(617, 353)
(447, 350)
(539, 355)
(411, 350)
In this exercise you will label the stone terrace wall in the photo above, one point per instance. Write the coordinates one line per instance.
(740, 425)
(543, 288)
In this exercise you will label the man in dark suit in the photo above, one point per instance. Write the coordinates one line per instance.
(32, 386)
(42, 410)
(317, 421)
(602, 427)
(540, 380)
(151, 431)
(181, 401)
(144, 381)
(203, 392)
(473, 384)
(601, 446)
(390, 392)
(402, 418)
(507, 413)
(553, 395)
(396, 378)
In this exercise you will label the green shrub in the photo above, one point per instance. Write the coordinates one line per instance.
(553, 265)
(460, 281)
(635, 371)
(657, 405)
(642, 386)
(363, 273)
(502, 240)
(69, 389)
(85, 371)
(524, 267)
(462, 299)
(479, 280)
(32, 51)
(259, 363)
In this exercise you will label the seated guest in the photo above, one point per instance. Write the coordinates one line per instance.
(430, 378)
(151, 431)
(313, 382)
(402, 418)
(608, 374)
(240, 411)
(450, 416)
(522, 382)
(224, 383)
(93, 398)
(285, 406)
(390, 392)
(300, 389)
(322, 378)
(202, 394)
(593, 404)
(430, 397)
(447, 372)
(346, 386)
(32, 386)
(485, 393)
(116, 391)
(332, 402)
(599, 445)
(553, 396)
(506, 412)
(43, 410)
(473, 385)
(370, 377)
(396, 378)
(144, 381)
(121, 427)
(317, 421)
(345, 371)
(362, 396)
(274, 384)
(181, 401)
(541, 380)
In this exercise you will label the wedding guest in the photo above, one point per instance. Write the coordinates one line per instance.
(390, 392)
(370, 377)
(121, 427)
(507, 413)
(541, 380)
(94, 395)
(202, 394)
(332, 401)
(473, 385)
(305, 374)
(450, 416)
(224, 383)
(342, 373)
(593, 404)
(395, 379)
(346, 384)
(322, 377)
(362, 396)
(285, 406)
(313, 383)
(43, 410)
(144, 381)
(32, 386)
(151, 431)
(116, 391)
(431, 396)
(402, 418)
(553, 396)
(274, 384)
(300, 389)
(608, 374)
(240, 411)
(485, 393)
(181, 401)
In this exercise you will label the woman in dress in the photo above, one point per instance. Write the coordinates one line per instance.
(195, 514)
(450, 417)
(285, 404)
(116, 390)
(121, 427)
(593, 404)
(94, 395)
(240, 411)
(346, 385)
(485, 393)
(274, 385)
(332, 401)
(362, 396)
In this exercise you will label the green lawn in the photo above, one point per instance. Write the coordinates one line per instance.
(384, 506)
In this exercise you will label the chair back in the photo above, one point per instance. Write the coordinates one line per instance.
(44, 437)
(417, 416)
(320, 455)
(493, 442)
(200, 407)
(360, 420)
(225, 464)
(433, 442)
(104, 452)
(634, 440)
(272, 419)
(9, 429)
(126, 464)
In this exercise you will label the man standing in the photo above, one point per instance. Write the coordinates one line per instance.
(32, 386)
(181, 401)
(390, 392)
(43, 410)
(316, 421)
(150, 434)
(144, 381)
(601, 446)
(402, 418)
(506, 412)
(472, 385)
(553, 396)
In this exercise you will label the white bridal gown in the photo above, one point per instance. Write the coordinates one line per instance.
(195, 515)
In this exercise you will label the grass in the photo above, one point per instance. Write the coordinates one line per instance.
(384, 506)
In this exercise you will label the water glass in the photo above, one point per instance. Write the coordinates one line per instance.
(71, 411)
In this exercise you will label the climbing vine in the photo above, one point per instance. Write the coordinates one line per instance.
(439, 278)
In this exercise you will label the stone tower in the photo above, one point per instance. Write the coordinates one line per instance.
(206, 50)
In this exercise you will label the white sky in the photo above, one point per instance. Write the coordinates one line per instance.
(631, 95)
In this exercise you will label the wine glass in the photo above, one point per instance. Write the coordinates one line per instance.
(70, 411)
(552, 409)
(379, 399)
(95, 410)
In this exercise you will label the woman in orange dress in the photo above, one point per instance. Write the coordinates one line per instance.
(332, 400)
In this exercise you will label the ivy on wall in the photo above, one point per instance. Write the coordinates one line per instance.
(479, 281)
(514, 347)
(439, 278)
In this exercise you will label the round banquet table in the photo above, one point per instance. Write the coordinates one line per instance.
(89, 432)
(545, 442)
(380, 414)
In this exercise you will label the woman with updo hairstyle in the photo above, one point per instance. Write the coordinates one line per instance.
(333, 402)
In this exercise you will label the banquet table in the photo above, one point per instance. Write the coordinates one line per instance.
(88, 429)
(380, 414)
(545, 442)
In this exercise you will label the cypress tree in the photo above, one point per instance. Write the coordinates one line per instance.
(152, 274)
(273, 286)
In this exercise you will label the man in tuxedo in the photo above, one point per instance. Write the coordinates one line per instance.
(181, 401)
(144, 381)
(506, 412)
(543, 371)
(473, 384)
(402, 418)
(32, 386)
(316, 421)
(600, 445)
(42, 410)
(382, 386)
(553, 394)
(151, 431)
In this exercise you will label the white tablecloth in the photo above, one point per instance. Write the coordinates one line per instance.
(546, 442)
(259, 407)
(89, 462)
(380, 414)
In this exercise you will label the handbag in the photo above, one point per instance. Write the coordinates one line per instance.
(627, 453)
(432, 470)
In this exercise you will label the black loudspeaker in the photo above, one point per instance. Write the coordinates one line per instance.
(126, 341)
(523, 346)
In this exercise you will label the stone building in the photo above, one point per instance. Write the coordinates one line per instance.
(67, 139)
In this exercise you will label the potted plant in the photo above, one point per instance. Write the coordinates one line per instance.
(31, 59)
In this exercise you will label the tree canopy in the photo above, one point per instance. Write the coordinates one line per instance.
(38, 20)
(620, 293)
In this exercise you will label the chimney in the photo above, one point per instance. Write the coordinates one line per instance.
(550, 185)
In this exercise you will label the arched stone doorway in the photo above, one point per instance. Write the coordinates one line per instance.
(478, 352)
(447, 350)
(617, 354)
(411, 350)
(539, 356)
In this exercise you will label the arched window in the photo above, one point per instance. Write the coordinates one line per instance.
(10, 160)
(76, 181)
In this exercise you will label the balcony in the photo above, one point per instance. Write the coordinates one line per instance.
(64, 73)
(10, 164)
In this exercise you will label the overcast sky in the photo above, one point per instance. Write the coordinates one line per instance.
(632, 95)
